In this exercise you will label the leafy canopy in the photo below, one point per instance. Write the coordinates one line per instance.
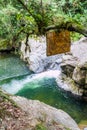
(21, 17)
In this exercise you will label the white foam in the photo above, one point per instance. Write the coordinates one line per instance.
(15, 85)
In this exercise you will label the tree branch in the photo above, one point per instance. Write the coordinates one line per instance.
(69, 26)
(21, 2)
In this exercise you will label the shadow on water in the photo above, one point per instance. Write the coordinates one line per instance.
(47, 91)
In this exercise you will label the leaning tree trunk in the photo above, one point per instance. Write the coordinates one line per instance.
(71, 26)
(26, 42)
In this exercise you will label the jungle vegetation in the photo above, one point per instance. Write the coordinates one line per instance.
(21, 18)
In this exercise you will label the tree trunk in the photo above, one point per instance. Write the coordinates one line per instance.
(69, 26)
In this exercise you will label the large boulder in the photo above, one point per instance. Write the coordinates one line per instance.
(79, 74)
(68, 64)
(36, 58)
(79, 49)
(54, 119)
(74, 68)
(18, 113)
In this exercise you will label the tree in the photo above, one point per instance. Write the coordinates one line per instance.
(40, 12)
(20, 18)
(71, 26)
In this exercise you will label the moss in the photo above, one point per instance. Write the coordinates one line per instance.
(75, 36)
(67, 129)
(4, 44)
(2, 113)
(6, 97)
(40, 127)
(7, 106)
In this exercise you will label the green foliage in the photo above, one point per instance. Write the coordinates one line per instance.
(40, 127)
(41, 12)
(68, 129)
(16, 19)
(6, 97)
(71, 10)
(75, 36)
(74, 9)
(8, 22)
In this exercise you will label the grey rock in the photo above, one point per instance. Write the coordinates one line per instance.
(79, 49)
(79, 75)
(37, 59)
(74, 66)
(45, 113)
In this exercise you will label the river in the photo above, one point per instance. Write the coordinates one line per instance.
(15, 78)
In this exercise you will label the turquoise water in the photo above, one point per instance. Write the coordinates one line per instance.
(41, 87)
(47, 91)
(11, 66)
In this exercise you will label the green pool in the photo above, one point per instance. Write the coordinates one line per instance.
(41, 87)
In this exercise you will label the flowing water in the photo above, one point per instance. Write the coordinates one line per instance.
(17, 79)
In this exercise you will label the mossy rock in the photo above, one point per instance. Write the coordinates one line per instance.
(6, 97)
(40, 127)
(5, 45)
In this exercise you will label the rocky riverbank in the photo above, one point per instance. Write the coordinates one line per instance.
(26, 114)
(74, 69)
(73, 64)
(19, 113)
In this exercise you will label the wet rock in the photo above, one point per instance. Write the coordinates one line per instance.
(67, 69)
(68, 64)
(79, 75)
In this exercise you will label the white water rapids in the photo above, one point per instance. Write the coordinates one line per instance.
(15, 84)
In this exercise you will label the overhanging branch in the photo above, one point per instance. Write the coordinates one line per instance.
(69, 26)
(21, 2)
